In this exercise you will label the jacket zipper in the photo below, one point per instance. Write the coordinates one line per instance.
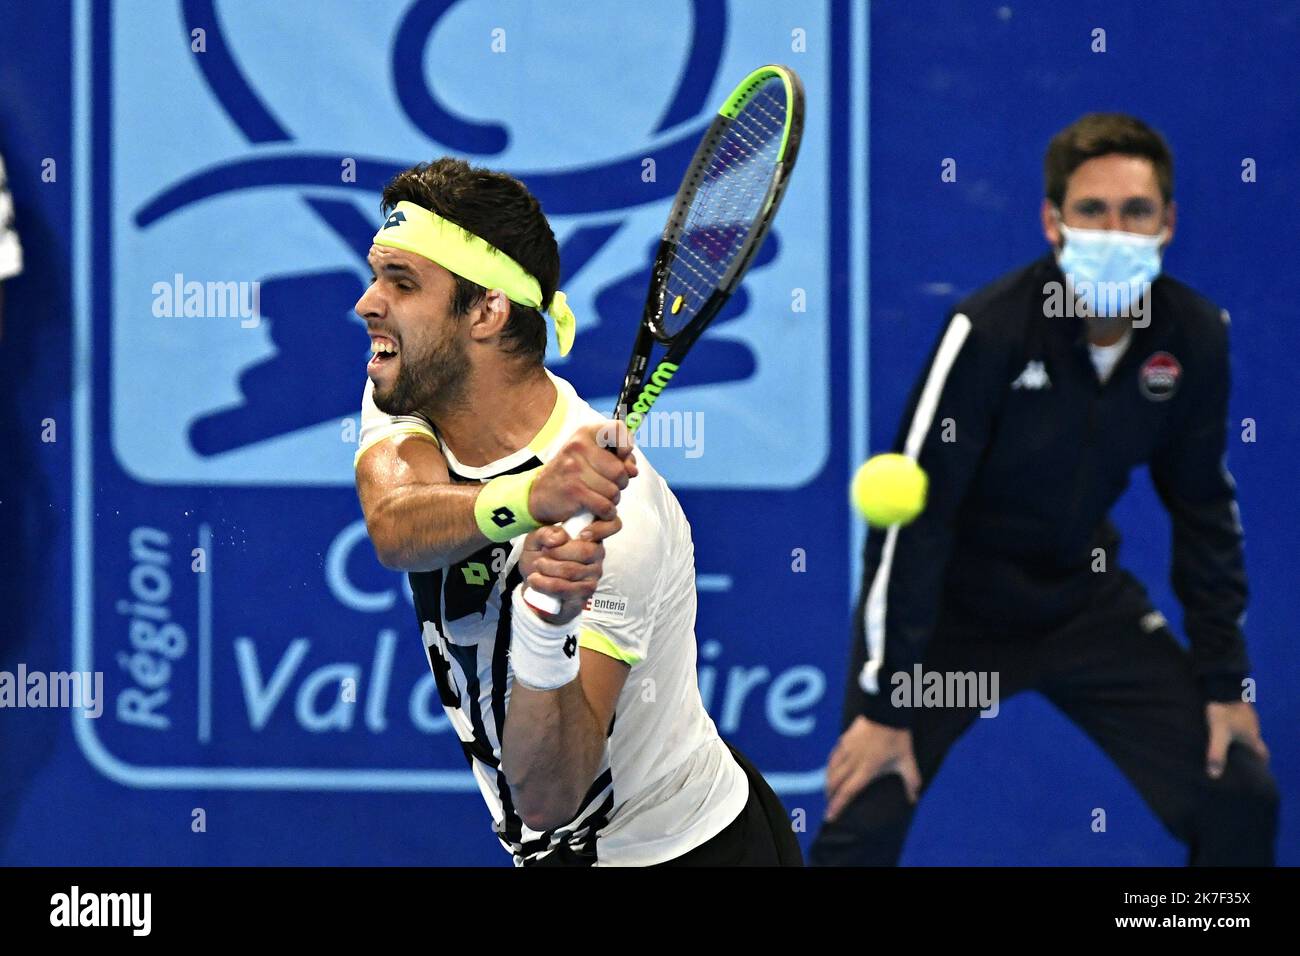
(1085, 457)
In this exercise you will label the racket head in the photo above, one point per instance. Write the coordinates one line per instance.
(725, 204)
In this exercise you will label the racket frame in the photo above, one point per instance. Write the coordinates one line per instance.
(651, 329)
(631, 408)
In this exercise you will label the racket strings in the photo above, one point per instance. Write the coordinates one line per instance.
(737, 180)
(727, 204)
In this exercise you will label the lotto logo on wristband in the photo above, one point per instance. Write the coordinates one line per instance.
(501, 508)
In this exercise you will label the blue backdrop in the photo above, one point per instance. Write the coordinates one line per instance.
(151, 144)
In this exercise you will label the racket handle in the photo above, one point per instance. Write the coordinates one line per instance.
(546, 602)
(578, 523)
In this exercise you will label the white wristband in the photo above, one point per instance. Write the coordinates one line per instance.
(544, 656)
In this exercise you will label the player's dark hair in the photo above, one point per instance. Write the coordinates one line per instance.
(501, 210)
(1101, 134)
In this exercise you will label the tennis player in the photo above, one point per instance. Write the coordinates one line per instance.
(1046, 389)
(585, 731)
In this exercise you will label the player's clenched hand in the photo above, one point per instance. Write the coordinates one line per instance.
(866, 751)
(587, 474)
(568, 569)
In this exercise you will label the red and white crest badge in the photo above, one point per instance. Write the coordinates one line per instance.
(1159, 376)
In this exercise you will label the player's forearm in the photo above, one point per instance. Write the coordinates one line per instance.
(422, 527)
(550, 752)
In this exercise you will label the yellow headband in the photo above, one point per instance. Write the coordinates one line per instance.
(423, 232)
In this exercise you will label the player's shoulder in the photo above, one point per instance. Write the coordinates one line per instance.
(1001, 309)
(1193, 314)
(993, 321)
(378, 426)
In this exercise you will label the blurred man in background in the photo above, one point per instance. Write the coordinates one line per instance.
(1046, 389)
(11, 252)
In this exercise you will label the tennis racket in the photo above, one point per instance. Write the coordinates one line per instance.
(719, 218)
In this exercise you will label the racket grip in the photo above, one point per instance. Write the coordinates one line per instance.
(575, 525)
(546, 602)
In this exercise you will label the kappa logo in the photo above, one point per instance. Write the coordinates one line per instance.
(1034, 378)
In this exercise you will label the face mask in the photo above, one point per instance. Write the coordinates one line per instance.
(1108, 268)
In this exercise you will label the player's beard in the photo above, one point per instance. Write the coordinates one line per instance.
(434, 380)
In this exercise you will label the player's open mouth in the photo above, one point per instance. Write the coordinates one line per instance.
(383, 350)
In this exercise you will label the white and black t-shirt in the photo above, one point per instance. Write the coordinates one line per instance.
(668, 783)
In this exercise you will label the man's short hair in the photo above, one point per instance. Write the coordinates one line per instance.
(1101, 134)
(501, 210)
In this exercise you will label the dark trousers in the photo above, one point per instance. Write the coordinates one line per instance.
(1129, 687)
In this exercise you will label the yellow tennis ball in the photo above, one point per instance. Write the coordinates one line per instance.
(889, 489)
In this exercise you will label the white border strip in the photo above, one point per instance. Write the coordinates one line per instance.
(205, 635)
(83, 489)
(859, 301)
(859, 275)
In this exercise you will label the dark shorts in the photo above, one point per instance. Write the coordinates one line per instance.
(762, 835)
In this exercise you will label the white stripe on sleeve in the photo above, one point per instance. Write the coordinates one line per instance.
(922, 419)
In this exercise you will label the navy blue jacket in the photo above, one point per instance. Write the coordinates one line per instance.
(1026, 452)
